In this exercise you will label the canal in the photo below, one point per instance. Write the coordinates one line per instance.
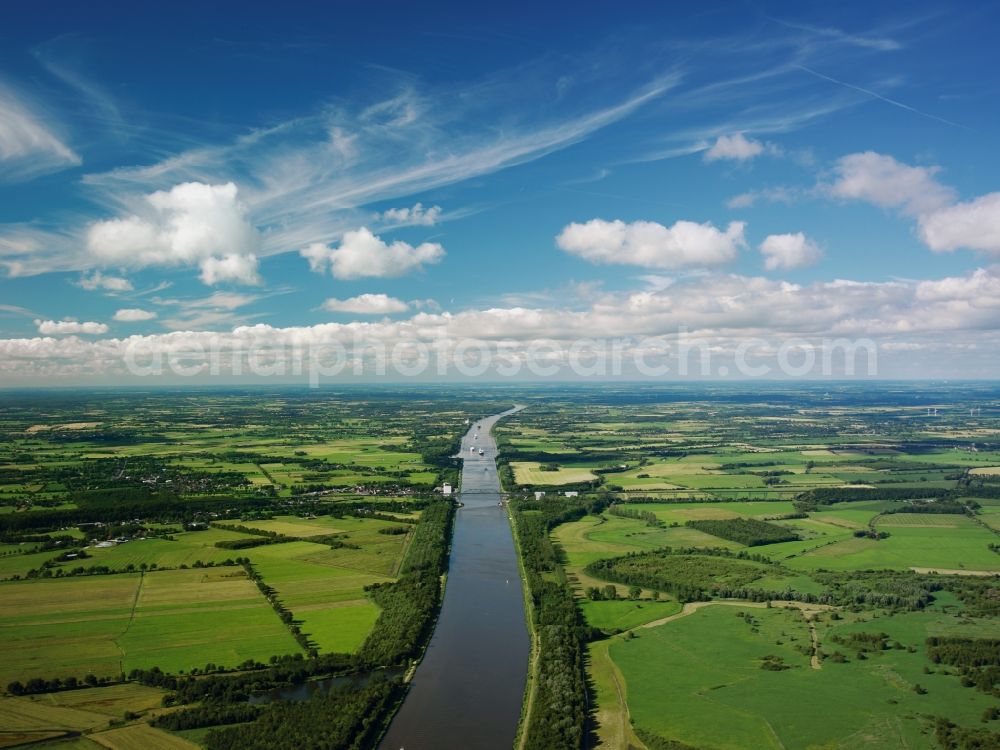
(467, 692)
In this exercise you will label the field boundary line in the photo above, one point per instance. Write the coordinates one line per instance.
(131, 618)
(402, 555)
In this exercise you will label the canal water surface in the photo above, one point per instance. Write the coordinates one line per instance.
(466, 693)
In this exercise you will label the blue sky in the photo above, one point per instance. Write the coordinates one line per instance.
(182, 174)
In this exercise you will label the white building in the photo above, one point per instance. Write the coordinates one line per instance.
(446, 489)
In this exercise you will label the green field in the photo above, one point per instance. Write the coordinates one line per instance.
(713, 659)
(106, 625)
(531, 472)
(803, 464)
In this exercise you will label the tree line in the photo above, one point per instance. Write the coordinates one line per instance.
(558, 718)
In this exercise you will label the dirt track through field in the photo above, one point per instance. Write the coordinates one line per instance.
(808, 612)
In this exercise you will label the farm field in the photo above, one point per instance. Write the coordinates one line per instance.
(324, 588)
(35, 718)
(729, 553)
(530, 472)
(699, 646)
(714, 659)
(106, 625)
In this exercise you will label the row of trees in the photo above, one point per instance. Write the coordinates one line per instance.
(558, 717)
(638, 515)
(279, 607)
(410, 604)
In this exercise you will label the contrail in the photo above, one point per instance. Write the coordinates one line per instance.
(885, 99)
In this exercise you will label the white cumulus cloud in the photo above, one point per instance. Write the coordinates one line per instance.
(943, 223)
(736, 147)
(417, 214)
(189, 224)
(238, 269)
(134, 315)
(947, 317)
(880, 179)
(979, 289)
(974, 225)
(652, 245)
(789, 251)
(367, 304)
(363, 254)
(67, 327)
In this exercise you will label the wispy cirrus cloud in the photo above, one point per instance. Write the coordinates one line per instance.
(29, 145)
(61, 57)
(307, 179)
(867, 40)
(302, 185)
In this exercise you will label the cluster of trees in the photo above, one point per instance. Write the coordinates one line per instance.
(439, 452)
(343, 718)
(410, 604)
(639, 515)
(38, 542)
(942, 505)
(871, 534)
(254, 541)
(698, 574)
(880, 588)
(138, 503)
(982, 489)
(220, 687)
(211, 714)
(863, 642)
(558, 715)
(689, 577)
(811, 499)
(950, 736)
(747, 531)
(977, 658)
